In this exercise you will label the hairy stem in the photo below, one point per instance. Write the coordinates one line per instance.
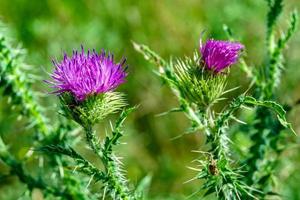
(115, 182)
(17, 86)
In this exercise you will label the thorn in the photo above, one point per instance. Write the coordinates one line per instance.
(194, 169)
(75, 168)
(190, 180)
(89, 182)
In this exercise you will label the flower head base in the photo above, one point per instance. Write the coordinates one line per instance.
(86, 74)
(197, 85)
(92, 110)
(219, 55)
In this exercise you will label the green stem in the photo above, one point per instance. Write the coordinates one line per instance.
(92, 141)
(115, 180)
(17, 86)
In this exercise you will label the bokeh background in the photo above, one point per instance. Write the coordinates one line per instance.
(47, 28)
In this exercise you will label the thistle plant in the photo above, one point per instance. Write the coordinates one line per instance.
(16, 86)
(266, 132)
(56, 162)
(85, 84)
(199, 83)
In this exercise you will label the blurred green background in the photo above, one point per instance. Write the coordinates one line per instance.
(47, 28)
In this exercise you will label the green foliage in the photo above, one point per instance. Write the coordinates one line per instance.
(114, 182)
(17, 168)
(82, 165)
(281, 113)
(261, 150)
(266, 131)
(275, 9)
(16, 86)
(192, 86)
(275, 65)
(250, 101)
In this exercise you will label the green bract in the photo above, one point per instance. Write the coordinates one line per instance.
(93, 109)
(197, 85)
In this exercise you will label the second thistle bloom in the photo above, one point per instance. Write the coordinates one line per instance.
(197, 84)
(218, 55)
(86, 74)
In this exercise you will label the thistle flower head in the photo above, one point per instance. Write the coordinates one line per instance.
(218, 55)
(86, 74)
(86, 83)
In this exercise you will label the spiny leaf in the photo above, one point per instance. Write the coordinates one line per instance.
(276, 60)
(250, 101)
(277, 108)
(275, 9)
(17, 85)
(292, 26)
(142, 189)
(149, 54)
(59, 149)
(116, 132)
(83, 165)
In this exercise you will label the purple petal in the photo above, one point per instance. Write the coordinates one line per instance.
(83, 74)
(218, 55)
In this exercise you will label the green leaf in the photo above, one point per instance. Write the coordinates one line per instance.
(149, 54)
(209, 191)
(277, 108)
(59, 149)
(275, 9)
(116, 132)
(292, 26)
(250, 101)
(143, 187)
(276, 58)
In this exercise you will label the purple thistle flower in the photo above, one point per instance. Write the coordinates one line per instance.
(86, 74)
(218, 55)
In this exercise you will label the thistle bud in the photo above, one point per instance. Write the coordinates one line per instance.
(198, 79)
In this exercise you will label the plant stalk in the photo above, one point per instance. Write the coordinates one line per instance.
(115, 181)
